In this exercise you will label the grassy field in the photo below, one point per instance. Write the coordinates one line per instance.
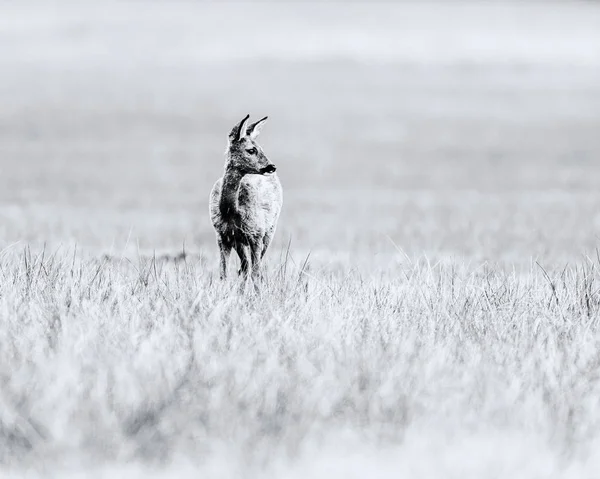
(433, 291)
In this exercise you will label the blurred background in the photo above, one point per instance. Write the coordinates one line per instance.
(466, 130)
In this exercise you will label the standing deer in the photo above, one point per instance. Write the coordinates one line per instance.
(245, 203)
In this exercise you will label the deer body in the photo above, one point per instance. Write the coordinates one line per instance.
(245, 203)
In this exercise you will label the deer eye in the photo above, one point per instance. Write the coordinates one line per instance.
(251, 151)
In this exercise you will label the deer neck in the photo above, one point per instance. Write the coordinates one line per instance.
(229, 205)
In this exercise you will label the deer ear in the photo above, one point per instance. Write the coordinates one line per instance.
(239, 131)
(254, 129)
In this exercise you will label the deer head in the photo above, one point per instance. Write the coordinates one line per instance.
(243, 153)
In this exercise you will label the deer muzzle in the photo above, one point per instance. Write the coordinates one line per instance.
(268, 169)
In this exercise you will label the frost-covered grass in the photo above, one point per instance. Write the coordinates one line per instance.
(110, 361)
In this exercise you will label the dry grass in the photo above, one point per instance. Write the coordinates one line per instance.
(115, 361)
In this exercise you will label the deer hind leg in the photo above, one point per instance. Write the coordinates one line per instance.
(225, 251)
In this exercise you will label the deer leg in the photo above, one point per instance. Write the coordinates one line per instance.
(265, 245)
(257, 253)
(244, 254)
(225, 252)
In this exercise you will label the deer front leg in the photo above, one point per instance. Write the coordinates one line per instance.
(256, 261)
(244, 254)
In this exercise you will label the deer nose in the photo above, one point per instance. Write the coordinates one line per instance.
(268, 169)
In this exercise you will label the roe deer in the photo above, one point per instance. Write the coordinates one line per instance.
(245, 203)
